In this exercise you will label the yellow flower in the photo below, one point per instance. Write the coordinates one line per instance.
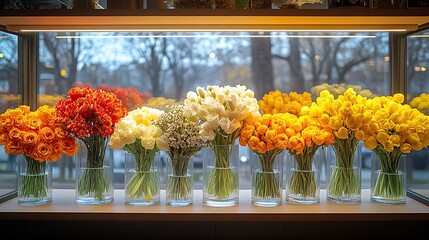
(382, 137)
(405, 148)
(371, 142)
(398, 97)
(342, 133)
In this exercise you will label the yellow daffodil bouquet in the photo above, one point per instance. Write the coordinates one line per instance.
(222, 111)
(267, 138)
(346, 116)
(306, 134)
(421, 103)
(395, 129)
(137, 134)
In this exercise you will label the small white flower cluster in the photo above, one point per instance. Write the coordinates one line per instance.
(139, 124)
(180, 132)
(223, 108)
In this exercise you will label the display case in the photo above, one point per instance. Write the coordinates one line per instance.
(155, 57)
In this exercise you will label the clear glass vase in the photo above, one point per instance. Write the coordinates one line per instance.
(34, 181)
(303, 177)
(344, 166)
(142, 179)
(180, 181)
(94, 171)
(388, 178)
(220, 176)
(267, 173)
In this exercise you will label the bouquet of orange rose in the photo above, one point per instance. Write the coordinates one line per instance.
(306, 135)
(90, 115)
(395, 129)
(267, 138)
(36, 136)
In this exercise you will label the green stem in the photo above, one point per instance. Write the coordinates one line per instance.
(144, 182)
(388, 184)
(344, 182)
(266, 184)
(94, 180)
(223, 180)
(34, 181)
(302, 181)
(180, 182)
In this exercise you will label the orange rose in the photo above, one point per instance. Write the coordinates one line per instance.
(29, 138)
(47, 134)
(69, 146)
(14, 147)
(43, 151)
(14, 133)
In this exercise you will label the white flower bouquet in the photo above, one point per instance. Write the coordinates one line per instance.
(222, 111)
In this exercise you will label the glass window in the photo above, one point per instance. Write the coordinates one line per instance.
(418, 97)
(159, 68)
(10, 97)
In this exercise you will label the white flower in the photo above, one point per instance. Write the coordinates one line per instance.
(224, 108)
(138, 124)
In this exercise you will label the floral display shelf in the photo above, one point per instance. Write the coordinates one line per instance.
(64, 208)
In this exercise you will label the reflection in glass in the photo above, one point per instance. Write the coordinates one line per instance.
(10, 97)
(418, 97)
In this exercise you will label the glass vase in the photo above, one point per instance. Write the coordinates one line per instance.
(266, 179)
(94, 171)
(220, 176)
(388, 178)
(34, 181)
(344, 165)
(303, 177)
(142, 179)
(180, 171)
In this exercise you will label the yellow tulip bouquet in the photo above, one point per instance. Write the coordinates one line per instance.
(267, 138)
(346, 116)
(395, 129)
(306, 135)
(421, 103)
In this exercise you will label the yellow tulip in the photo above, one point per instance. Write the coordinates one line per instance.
(371, 143)
(342, 133)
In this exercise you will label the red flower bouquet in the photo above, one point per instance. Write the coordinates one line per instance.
(90, 115)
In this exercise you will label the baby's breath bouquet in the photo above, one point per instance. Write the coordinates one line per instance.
(184, 141)
(137, 134)
(223, 111)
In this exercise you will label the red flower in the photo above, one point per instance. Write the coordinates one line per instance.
(88, 112)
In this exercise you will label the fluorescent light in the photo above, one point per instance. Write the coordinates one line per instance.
(420, 36)
(213, 36)
(213, 30)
